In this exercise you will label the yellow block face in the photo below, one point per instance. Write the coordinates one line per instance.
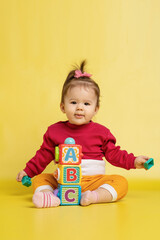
(69, 174)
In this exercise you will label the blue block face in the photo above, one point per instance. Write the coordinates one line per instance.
(69, 194)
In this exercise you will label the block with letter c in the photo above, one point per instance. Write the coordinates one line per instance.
(69, 194)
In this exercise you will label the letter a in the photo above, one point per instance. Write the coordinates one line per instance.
(70, 155)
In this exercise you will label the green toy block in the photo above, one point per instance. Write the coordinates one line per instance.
(148, 164)
(26, 181)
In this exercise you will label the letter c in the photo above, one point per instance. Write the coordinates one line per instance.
(67, 197)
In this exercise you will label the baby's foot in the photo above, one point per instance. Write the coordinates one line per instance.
(89, 197)
(45, 199)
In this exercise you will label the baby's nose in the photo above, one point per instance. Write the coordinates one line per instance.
(80, 106)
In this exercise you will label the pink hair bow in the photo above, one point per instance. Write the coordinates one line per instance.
(79, 74)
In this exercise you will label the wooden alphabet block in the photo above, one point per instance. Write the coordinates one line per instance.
(70, 154)
(68, 174)
(69, 195)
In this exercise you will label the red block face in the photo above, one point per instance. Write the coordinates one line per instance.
(71, 175)
(70, 154)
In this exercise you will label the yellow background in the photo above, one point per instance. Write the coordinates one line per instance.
(41, 40)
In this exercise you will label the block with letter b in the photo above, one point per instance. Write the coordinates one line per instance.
(68, 174)
(69, 194)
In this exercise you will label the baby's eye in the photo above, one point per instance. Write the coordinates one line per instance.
(73, 102)
(86, 103)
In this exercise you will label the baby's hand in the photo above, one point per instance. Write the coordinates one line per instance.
(20, 175)
(139, 161)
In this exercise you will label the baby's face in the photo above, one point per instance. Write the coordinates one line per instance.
(80, 105)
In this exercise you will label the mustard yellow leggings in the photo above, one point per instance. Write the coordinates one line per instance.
(115, 184)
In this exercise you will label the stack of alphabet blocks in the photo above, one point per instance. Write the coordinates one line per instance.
(68, 174)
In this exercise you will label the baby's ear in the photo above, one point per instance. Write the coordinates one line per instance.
(62, 107)
(96, 110)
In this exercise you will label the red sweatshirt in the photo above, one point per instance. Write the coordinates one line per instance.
(96, 141)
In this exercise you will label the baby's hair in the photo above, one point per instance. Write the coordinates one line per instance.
(85, 81)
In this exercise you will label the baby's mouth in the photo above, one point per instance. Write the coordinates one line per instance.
(79, 116)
